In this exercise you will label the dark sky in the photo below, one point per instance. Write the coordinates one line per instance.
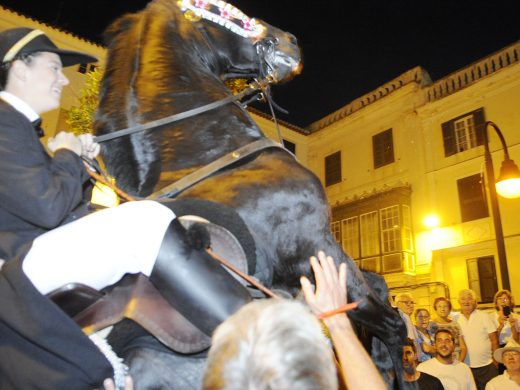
(350, 46)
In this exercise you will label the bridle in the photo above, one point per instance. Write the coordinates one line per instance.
(256, 86)
(265, 49)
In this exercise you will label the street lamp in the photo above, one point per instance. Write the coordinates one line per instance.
(507, 185)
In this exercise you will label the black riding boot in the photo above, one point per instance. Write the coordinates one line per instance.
(193, 283)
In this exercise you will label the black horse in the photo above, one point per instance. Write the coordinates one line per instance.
(166, 60)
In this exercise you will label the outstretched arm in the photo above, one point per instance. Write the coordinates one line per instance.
(358, 370)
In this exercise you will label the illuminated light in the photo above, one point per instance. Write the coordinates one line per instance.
(103, 195)
(431, 221)
(508, 182)
(509, 188)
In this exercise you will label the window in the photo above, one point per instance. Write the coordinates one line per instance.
(407, 229)
(376, 231)
(482, 278)
(464, 132)
(369, 234)
(336, 232)
(390, 229)
(383, 148)
(290, 146)
(472, 198)
(350, 236)
(465, 136)
(333, 169)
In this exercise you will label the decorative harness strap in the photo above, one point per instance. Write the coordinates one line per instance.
(257, 86)
(187, 181)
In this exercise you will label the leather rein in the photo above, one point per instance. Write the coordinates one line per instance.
(260, 85)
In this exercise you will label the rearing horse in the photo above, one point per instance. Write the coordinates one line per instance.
(165, 60)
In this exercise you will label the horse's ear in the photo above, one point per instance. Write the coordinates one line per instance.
(119, 26)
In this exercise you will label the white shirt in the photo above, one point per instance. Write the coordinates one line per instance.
(502, 382)
(455, 376)
(506, 334)
(19, 105)
(476, 332)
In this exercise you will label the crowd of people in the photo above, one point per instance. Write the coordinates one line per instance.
(470, 349)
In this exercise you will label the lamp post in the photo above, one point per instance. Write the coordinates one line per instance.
(509, 174)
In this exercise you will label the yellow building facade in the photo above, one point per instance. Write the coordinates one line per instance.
(412, 148)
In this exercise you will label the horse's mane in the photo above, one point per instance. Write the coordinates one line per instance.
(138, 58)
(159, 63)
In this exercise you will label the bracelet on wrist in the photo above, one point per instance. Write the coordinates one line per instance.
(338, 310)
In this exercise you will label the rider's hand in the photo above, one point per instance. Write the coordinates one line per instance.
(109, 384)
(90, 148)
(65, 140)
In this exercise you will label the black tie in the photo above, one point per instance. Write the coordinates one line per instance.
(37, 124)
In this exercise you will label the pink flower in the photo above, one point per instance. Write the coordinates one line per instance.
(248, 24)
(225, 12)
(201, 4)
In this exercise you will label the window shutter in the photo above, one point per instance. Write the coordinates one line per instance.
(333, 169)
(480, 120)
(448, 135)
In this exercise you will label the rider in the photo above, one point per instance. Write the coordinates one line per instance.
(44, 226)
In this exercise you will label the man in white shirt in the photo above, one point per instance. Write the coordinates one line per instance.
(453, 374)
(510, 357)
(481, 339)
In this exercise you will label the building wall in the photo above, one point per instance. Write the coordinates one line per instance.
(416, 110)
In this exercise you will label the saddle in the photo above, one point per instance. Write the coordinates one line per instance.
(135, 298)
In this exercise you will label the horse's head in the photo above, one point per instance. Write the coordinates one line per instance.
(242, 47)
(171, 57)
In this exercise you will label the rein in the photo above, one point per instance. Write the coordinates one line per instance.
(260, 85)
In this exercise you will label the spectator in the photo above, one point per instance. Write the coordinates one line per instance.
(443, 320)
(405, 306)
(422, 322)
(453, 374)
(510, 357)
(480, 335)
(415, 379)
(505, 320)
(279, 344)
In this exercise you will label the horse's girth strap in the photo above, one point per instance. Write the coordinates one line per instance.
(187, 181)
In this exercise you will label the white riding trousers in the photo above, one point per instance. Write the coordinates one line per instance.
(97, 250)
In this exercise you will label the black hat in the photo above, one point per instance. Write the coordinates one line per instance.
(23, 40)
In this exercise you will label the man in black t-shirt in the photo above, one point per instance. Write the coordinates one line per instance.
(416, 380)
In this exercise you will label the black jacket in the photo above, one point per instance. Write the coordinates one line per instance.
(37, 192)
(40, 346)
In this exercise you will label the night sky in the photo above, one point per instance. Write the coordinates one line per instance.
(350, 46)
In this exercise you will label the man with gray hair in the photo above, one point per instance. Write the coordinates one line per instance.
(405, 305)
(279, 344)
(509, 355)
(481, 339)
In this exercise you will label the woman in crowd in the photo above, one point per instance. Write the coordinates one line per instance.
(505, 320)
(422, 324)
(443, 320)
